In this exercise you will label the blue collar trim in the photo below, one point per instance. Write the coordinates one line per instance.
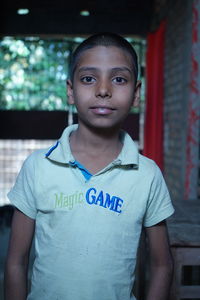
(83, 170)
(51, 149)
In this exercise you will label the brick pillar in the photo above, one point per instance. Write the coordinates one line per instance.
(193, 124)
(181, 98)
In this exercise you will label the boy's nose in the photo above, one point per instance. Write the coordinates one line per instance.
(103, 90)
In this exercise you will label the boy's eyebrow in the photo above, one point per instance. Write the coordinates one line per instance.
(121, 69)
(87, 69)
(115, 69)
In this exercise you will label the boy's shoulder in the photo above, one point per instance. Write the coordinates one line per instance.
(147, 162)
(148, 166)
(36, 157)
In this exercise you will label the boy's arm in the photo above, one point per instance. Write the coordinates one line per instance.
(16, 269)
(161, 263)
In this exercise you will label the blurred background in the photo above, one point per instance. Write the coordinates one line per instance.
(36, 42)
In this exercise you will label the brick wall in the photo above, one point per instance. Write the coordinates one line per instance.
(176, 93)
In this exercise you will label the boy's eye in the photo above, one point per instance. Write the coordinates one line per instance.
(119, 80)
(87, 79)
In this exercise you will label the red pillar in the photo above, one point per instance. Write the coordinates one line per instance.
(153, 130)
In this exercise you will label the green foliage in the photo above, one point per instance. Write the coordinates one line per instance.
(33, 72)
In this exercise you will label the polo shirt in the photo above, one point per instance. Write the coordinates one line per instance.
(87, 230)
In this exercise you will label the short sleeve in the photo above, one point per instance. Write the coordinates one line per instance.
(159, 206)
(22, 194)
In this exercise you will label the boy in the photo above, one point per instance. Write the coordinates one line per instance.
(88, 196)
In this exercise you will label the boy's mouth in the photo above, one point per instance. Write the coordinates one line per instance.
(102, 110)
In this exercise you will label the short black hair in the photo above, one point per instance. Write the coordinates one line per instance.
(103, 39)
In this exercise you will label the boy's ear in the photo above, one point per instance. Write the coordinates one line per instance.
(70, 92)
(136, 99)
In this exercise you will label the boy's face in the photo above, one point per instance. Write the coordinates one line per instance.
(104, 88)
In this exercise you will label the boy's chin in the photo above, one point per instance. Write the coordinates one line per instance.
(102, 126)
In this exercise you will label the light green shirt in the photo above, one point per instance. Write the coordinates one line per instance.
(87, 231)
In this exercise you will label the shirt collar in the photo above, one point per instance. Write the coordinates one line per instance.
(61, 151)
(129, 154)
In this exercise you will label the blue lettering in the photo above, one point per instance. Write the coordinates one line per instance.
(113, 203)
(90, 198)
(109, 203)
(118, 203)
(99, 199)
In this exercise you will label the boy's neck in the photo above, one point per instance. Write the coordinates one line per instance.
(95, 149)
(96, 139)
